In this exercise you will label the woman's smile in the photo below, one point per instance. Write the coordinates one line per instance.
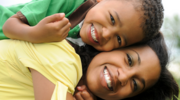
(106, 79)
(118, 74)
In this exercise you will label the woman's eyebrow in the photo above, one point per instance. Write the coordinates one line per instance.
(143, 82)
(139, 60)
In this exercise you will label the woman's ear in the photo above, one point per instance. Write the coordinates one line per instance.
(99, 1)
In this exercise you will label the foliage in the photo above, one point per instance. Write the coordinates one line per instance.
(171, 29)
(178, 82)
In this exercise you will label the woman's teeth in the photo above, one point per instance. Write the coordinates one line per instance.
(93, 34)
(108, 79)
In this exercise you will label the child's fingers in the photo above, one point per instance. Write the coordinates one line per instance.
(65, 28)
(78, 96)
(63, 35)
(63, 22)
(54, 18)
(75, 98)
(58, 25)
(86, 95)
(82, 87)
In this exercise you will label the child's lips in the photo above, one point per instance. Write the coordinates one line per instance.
(93, 35)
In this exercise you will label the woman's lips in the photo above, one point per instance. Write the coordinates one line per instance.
(92, 35)
(106, 80)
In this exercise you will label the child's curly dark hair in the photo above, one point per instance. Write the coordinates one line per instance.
(153, 17)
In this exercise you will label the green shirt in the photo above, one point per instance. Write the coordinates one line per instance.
(36, 10)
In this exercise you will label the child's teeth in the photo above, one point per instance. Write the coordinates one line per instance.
(93, 34)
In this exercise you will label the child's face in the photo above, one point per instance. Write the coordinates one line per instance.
(112, 24)
(127, 72)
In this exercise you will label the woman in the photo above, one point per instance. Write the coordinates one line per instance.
(55, 75)
(164, 88)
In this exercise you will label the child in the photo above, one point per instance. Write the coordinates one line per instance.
(108, 25)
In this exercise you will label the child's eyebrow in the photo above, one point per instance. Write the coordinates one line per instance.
(125, 39)
(120, 23)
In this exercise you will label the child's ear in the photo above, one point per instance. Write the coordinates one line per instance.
(99, 1)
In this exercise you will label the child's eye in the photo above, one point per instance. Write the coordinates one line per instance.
(129, 60)
(135, 85)
(112, 19)
(119, 40)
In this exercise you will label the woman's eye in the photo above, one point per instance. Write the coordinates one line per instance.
(112, 19)
(119, 40)
(129, 60)
(135, 85)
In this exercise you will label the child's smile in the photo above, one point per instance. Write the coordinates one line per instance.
(93, 35)
(112, 24)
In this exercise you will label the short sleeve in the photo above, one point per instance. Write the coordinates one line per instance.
(5, 13)
(57, 61)
(39, 9)
(60, 92)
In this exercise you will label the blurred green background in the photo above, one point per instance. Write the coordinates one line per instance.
(171, 31)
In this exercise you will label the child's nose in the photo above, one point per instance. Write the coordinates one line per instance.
(107, 34)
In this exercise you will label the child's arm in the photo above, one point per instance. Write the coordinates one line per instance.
(50, 29)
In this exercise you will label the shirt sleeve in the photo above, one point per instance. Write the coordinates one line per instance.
(39, 9)
(60, 92)
(5, 13)
(57, 61)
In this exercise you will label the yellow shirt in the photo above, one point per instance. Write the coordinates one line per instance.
(57, 61)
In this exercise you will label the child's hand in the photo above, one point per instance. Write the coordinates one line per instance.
(83, 94)
(50, 29)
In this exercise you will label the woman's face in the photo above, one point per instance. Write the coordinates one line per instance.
(123, 73)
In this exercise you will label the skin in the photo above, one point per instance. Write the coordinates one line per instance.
(50, 29)
(124, 74)
(43, 88)
(112, 19)
(117, 24)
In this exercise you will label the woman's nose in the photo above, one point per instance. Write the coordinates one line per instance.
(124, 76)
